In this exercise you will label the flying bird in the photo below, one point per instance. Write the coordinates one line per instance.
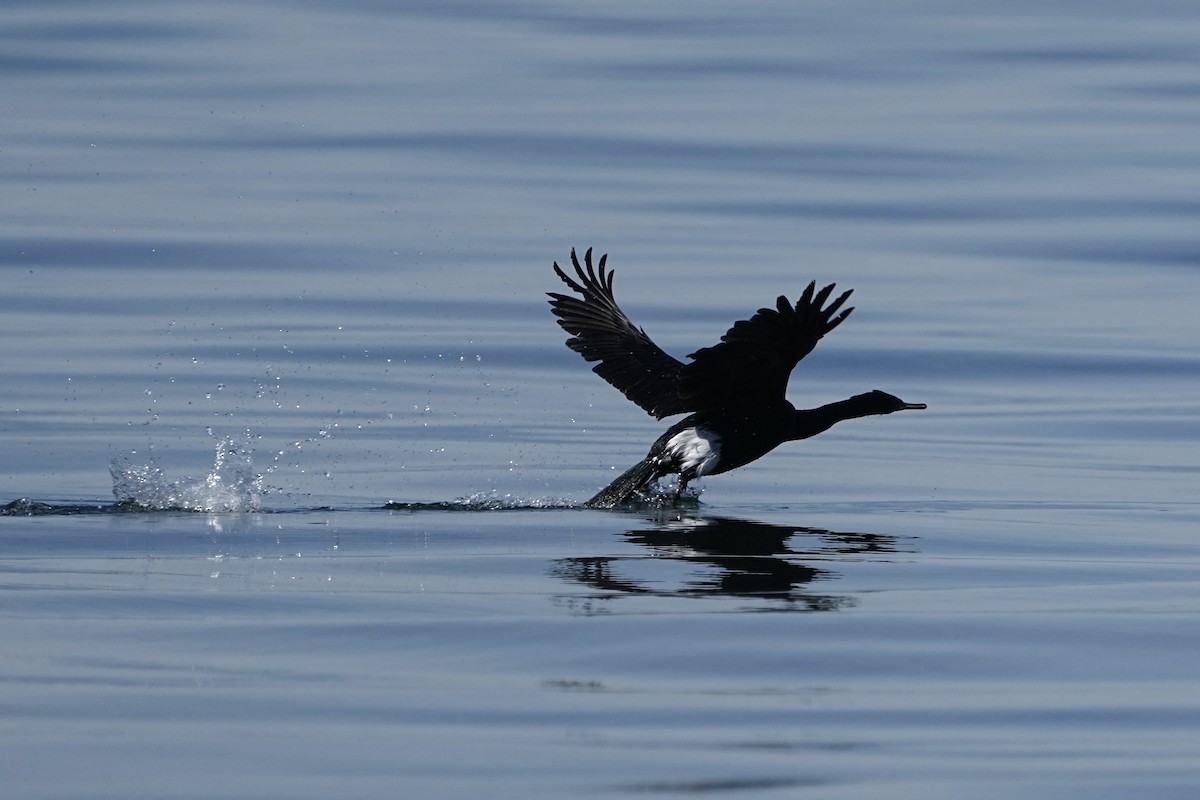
(733, 392)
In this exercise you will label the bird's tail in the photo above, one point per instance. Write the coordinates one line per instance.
(622, 490)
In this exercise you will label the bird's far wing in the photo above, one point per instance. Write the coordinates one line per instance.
(601, 332)
(755, 357)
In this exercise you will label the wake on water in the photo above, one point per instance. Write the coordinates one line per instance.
(233, 485)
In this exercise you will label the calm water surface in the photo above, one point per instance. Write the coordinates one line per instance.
(286, 263)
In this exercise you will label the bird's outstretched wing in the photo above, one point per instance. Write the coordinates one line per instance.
(601, 332)
(755, 357)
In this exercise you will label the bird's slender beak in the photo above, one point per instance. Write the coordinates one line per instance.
(912, 406)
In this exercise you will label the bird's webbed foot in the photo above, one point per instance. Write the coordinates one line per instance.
(680, 488)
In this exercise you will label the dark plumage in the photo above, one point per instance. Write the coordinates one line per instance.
(733, 392)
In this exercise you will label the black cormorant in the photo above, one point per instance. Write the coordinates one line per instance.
(732, 392)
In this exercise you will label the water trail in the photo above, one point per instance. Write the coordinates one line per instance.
(485, 501)
(653, 498)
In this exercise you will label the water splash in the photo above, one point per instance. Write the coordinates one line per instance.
(231, 486)
(665, 495)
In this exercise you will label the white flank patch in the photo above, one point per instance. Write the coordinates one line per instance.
(696, 449)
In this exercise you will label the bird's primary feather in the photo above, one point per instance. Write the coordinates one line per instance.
(601, 332)
(755, 357)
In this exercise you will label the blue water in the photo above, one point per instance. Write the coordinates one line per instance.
(284, 264)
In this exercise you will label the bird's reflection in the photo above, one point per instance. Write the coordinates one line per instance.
(724, 556)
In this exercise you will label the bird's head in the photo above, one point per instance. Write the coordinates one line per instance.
(877, 402)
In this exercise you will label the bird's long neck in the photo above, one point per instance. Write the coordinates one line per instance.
(811, 421)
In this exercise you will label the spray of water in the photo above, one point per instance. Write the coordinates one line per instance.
(231, 485)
